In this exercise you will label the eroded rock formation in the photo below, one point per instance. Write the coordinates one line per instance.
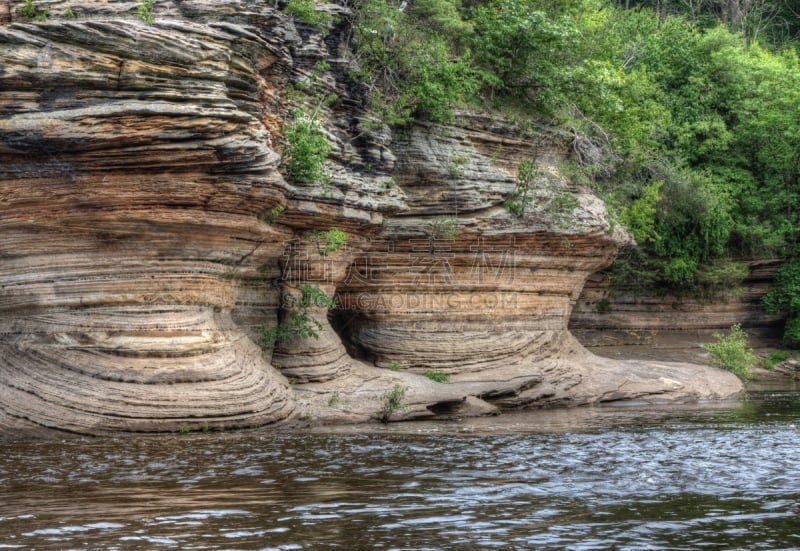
(148, 234)
(608, 315)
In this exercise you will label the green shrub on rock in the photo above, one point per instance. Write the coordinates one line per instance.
(730, 352)
(306, 11)
(307, 148)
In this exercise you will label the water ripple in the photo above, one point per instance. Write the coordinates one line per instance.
(659, 478)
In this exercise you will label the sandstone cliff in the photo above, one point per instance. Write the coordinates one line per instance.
(609, 315)
(148, 232)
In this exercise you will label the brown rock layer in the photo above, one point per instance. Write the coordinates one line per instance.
(608, 315)
(141, 255)
(134, 164)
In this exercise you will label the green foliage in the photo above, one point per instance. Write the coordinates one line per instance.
(145, 10)
(563, 203)
(457, 165)
(437, 376)
(331, 241)
(410, 58)
(680, 271)
(307, 148)
(394, 366)
(791, 331)
(393, 402)
(603, 306)
(445, 227)
(69, 13)
(526, 176)
(640, 216)
(272, 214)
(305, 11)
(334, 400)
(774, 359)
(524, 53)
(299, 321)
(514, 206)
(785, 297)
(699, 129)
(730, 352)
(29, 10)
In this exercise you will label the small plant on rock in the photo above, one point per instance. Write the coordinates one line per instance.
(393, 401)
(445, 227)
(774, 359)
(603, 306)
(306, 11)
(29, 10)
(272, 214)
(299, 321)
(526, 175)
(437, 376)
(730, 352)
(307, 148)
(145, 10)
(331, 241)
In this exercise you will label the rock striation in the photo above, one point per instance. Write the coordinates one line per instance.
(149, 234)
(608, 315)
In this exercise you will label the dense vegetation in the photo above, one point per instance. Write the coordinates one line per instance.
(695, 105)
(729, 351)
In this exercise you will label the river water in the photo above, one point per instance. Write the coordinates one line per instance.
(685, 477)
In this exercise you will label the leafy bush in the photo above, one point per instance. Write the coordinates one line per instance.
(411, 60)
(526, 176)
(785, 297)
(29, 10)
(640, 216)
(774, 359)
(307, 148)
(305, 11)
(730, 352)
(272, 214)
(334, 239)
(437, 376)
(299, 322)
(514, 206)
(145, 10)
(791, 332)
(445, 227)
(393, 401)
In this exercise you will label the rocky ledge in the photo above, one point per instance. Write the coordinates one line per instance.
(148, 234)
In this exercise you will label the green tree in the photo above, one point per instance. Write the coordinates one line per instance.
(410, 59)
(785, 297)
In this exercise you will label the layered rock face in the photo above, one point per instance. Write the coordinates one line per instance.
(148, 235)
(134, 163)
(459, 285)
(606, 315)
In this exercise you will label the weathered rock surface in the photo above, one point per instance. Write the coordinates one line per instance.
(608, 315)
(141, 253)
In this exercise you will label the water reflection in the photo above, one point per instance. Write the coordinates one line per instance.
(721, 476)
